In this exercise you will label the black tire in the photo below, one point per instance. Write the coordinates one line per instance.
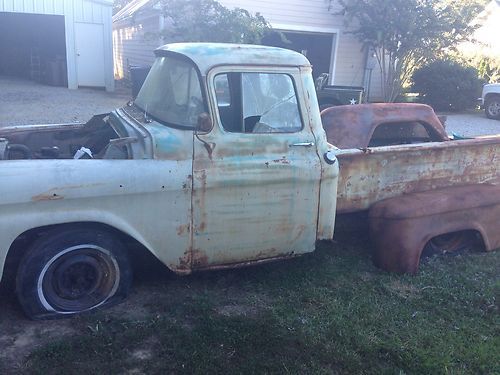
(492, 107)
(70, 271)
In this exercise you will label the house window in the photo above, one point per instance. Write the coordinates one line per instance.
(257, 103)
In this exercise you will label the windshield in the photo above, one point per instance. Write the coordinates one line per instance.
(171, 93)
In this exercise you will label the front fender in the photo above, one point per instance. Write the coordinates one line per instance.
(149, 200)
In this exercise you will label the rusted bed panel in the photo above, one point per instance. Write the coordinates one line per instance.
(400, 227)
(370, 175)
(353, 126)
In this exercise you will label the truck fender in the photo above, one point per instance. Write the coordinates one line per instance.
(22, 223)
(400, 227)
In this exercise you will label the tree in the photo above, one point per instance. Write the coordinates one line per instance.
(447, 85)
(404, 34)
(209, 21)
(119, 4)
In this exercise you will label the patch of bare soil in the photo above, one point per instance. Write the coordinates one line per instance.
(20, 336)
(403, 290)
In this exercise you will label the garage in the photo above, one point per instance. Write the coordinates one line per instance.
(33, 47)
(57, 43)
(317, 47)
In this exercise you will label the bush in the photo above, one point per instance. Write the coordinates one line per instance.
(447, 85)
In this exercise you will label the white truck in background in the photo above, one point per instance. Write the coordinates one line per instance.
(490, 100)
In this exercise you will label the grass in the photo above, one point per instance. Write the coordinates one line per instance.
(328, 312)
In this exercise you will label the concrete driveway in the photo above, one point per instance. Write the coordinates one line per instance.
(26, 102)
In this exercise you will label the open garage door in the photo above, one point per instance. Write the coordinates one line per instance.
(33, 46)
(317, 47)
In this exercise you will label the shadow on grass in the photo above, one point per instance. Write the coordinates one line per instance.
(327, 312)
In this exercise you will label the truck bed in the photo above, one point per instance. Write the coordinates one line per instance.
(370, 175)
(425, 159)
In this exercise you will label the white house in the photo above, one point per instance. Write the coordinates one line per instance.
(59, 42)
(310, 25)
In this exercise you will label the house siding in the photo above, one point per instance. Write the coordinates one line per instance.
(348, 63)
(134, 43)
(84, 11)
(313, 16)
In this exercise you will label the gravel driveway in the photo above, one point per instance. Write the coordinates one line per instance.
(25, 102)
(472, 124)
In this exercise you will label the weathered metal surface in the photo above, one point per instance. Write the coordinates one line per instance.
(254, 196)
(368, 176)
(209, 55)
(400, 227)
(371, 174)
(353, 126)
(147, 199)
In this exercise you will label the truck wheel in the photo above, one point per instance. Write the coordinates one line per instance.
(72, 271)
(492, 107)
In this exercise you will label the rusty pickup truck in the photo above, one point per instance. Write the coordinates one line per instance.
(221, 161)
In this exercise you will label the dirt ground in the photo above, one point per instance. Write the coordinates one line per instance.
(20, 336)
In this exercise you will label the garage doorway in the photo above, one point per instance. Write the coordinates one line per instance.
(317, 47)
(33, 47)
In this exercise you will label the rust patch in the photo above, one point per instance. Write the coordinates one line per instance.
(201, 196)
(251, 262)
(199, 259)
(46, 197)
(181, 229)
(184, 265)
(350, 126)
(193, 258)
(388, 172)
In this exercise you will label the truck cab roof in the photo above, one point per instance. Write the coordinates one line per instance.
(209, 55)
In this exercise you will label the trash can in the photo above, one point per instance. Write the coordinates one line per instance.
(138, 75)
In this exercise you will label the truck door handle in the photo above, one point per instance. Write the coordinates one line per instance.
(303, 144)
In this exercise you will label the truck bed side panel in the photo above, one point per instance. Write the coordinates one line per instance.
(370, 175)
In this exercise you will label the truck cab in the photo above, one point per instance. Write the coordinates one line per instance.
(221, 161)
(259, 176)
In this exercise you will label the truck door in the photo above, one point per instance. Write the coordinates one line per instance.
(257, 173)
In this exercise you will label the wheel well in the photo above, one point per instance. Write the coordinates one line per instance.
(491, 95)
(22, 243)
(475, 237)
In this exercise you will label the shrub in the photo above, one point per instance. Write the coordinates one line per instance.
(447, 85)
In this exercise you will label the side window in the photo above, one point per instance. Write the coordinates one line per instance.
(257, 103)
(388, 134)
